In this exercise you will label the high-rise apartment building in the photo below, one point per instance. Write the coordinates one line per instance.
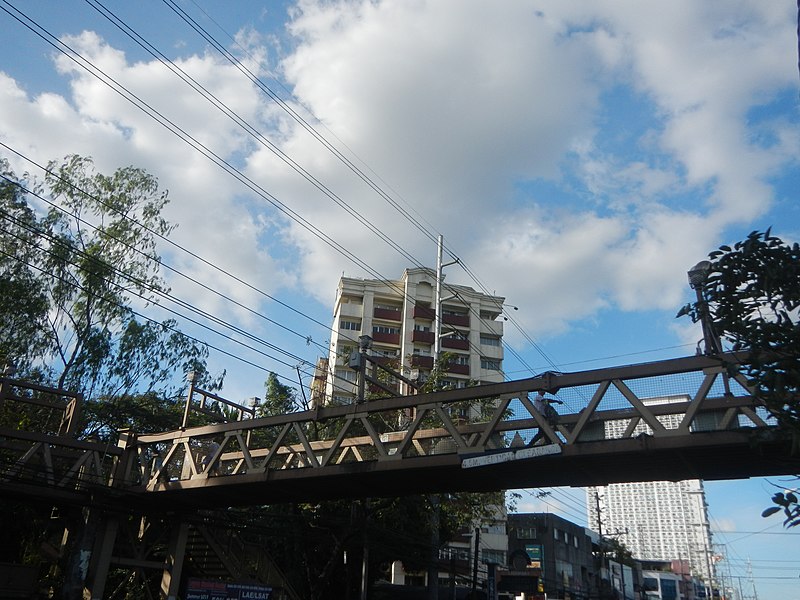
(655, 520)
(400, 317)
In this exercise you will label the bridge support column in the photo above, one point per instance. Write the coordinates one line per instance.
(101, 560)
(79, 540)
(176, 553)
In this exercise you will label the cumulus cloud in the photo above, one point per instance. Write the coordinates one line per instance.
(495, 125)
(460, 106)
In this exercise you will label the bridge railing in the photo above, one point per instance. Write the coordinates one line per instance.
(669, 398)
(39, 452)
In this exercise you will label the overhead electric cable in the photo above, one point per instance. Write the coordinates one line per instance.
(292, 113)
(134, 312)
(168, 267)
(249, 129)
(310, 129)
(189, 139)
(88, 66)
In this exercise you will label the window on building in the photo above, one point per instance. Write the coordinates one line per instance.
(526, 533)
(493, 556)
(422, 327)
(669, 589)
(461, 359)
(454, 552)
(349, 325)
(454, 383)
(346, 374)
(650, 584)
(492, 364)
(490, 340)
(385, 329)
(339, 399)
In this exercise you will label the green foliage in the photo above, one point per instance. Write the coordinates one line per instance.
(618, 551)
(786, 502)
(76, 252)
(279, 399)
(752, 298)
(104, 418)
(753, 295)
(23, 297)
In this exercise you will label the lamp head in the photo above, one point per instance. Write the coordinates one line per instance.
(698, 274)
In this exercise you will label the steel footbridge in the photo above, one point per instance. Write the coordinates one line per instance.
(687, 418)
(684, 418)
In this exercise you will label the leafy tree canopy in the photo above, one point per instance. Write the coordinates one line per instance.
(77, 258)
(751, 296)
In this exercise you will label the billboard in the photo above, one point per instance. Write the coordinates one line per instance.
(535, 554)
(201, 589)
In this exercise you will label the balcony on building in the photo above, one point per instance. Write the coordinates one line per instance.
(490, 327)
(458, 369)
(459, 320)
(424, 312)
(422, 362)
(385, 360)
(351, 309)
(424, 337)
(455, 343)
(386, 338)
(387, 313)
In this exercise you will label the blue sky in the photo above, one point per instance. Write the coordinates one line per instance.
(579, 158)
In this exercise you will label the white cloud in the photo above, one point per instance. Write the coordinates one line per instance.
(491, 122)
(206, 203)
(457, 113)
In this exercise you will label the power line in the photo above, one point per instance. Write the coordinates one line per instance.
(249, 129)
(224, 164)
(134, 312)
(319, 137)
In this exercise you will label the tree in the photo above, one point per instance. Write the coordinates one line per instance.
(77, 254)
(23, 298)
(751, 297)
(279, 399)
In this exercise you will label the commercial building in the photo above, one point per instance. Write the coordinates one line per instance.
(556, 551)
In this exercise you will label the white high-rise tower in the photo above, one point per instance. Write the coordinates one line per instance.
(655, 520)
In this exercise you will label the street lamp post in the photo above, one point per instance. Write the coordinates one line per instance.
(698, 275)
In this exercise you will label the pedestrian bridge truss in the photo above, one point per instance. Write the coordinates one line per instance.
(677, 419)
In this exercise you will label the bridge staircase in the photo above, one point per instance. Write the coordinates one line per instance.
(215, 549)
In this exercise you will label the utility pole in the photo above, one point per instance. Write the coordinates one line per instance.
(750, 576)
(602, 543)
(475, 554)
(437, 322)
